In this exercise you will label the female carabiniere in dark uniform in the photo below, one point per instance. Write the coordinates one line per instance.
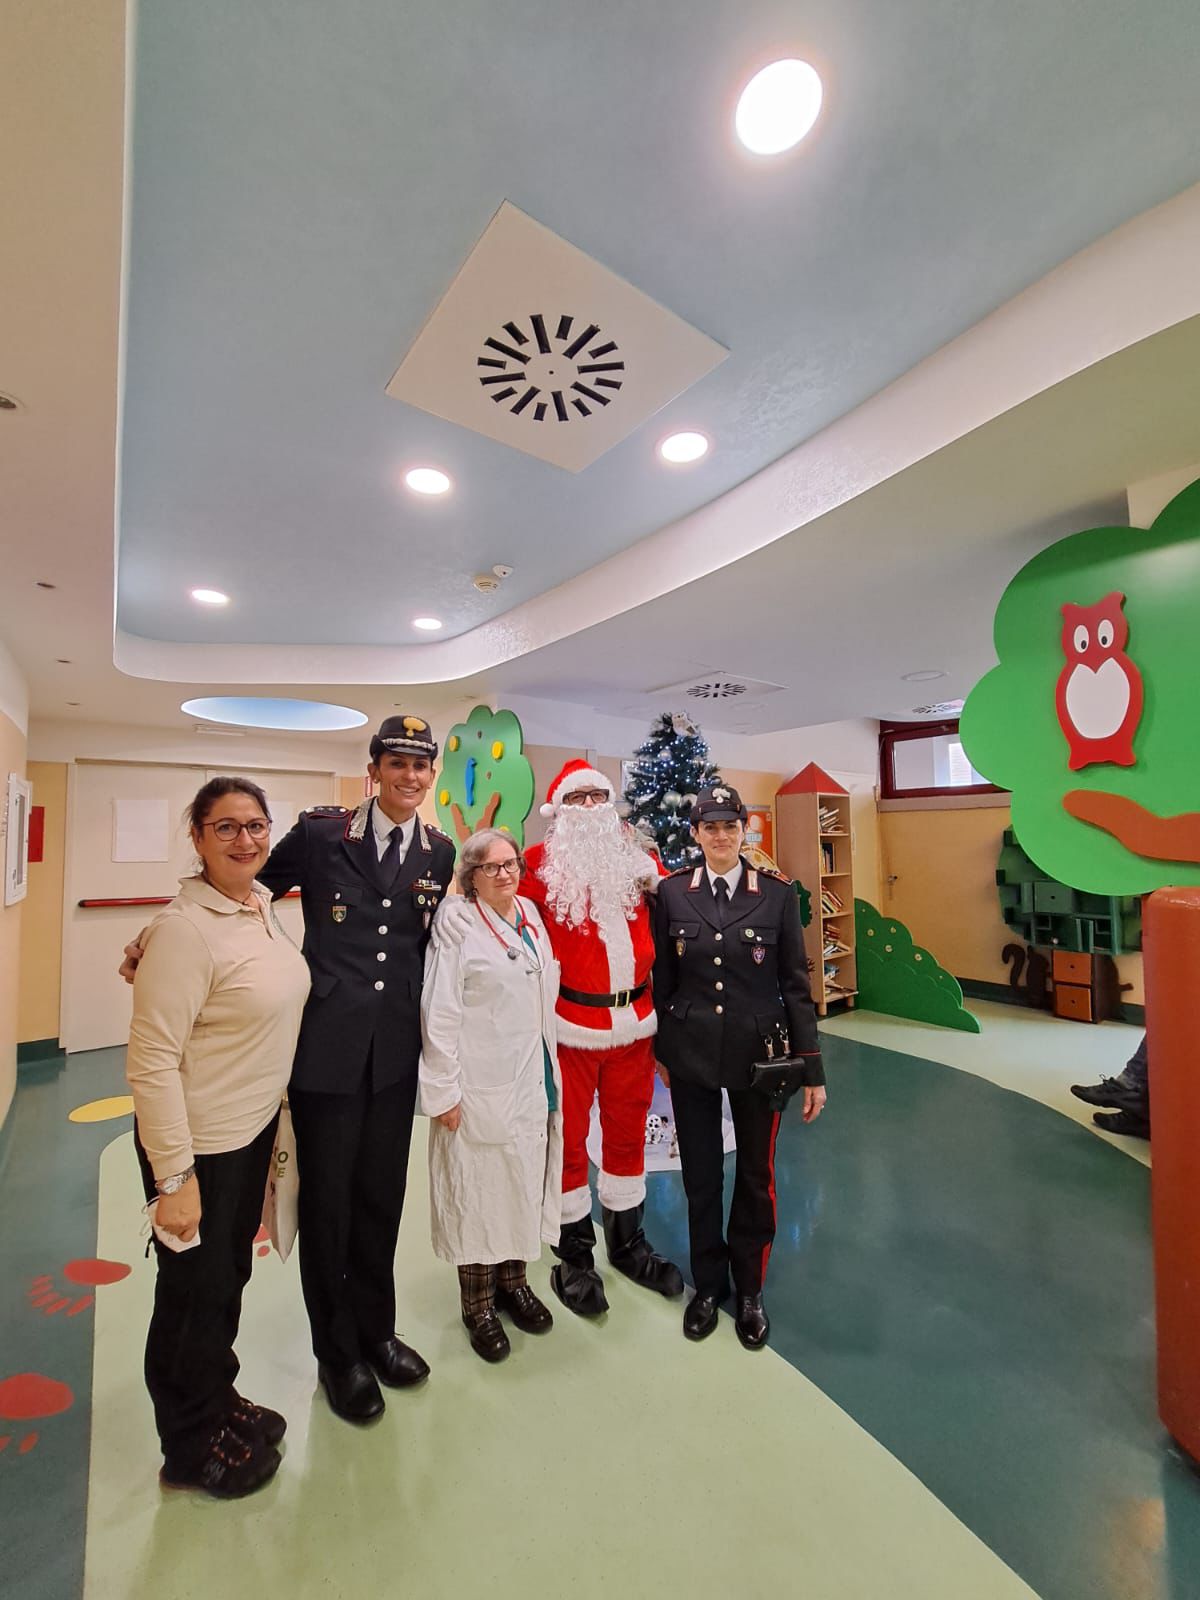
(730, 977)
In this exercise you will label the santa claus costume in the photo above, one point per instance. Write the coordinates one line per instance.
(589, 879)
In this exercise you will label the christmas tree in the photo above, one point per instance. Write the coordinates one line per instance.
(667, 773)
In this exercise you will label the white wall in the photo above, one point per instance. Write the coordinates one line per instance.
(14, 694)
(103, 741)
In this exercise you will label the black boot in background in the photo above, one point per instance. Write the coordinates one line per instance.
(631, 1253)
(575, 1280)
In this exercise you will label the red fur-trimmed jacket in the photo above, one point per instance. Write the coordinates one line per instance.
(598, 959)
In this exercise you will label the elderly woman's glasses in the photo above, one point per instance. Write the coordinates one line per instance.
(493, 869)
(227, 828)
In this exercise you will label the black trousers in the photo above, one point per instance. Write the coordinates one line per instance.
(190, 1362)
(752, 1213)
(352, 1159)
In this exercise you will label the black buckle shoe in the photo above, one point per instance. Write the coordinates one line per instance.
(487, 1335)
(352, 1392)
(256, 1423)
(396, 1364)
(753, 1324)
(230, 1467)
(524, 1307)
(701, 1317)
(632, 1254)
(1128, 1123)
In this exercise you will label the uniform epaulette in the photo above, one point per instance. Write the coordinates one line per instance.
(678, 872)
(437, 833)
(773, 872)
(325, 811)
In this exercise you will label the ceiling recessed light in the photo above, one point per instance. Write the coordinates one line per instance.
(9, 402)
(63, 661)
(427, 624)
(427, 480)
(73, 702)
(778, 107)
(210, 597)
(926, 676)
(253, 711)
(42, 584)
(680, 448)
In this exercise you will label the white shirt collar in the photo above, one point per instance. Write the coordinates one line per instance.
(733, 877)
(383, 826)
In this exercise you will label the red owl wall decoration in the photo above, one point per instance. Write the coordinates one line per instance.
(1099, 696)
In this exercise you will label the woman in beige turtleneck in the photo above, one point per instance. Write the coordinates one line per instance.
(216, 1013)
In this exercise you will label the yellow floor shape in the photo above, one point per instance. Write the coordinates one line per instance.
(610, 1460)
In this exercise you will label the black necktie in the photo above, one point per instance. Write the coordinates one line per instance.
(721, 891)
(389, 861)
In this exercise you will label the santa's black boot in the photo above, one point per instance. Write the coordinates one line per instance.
(575, 1280)
(631, 1253)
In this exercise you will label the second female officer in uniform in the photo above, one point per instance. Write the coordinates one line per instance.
(730, 974)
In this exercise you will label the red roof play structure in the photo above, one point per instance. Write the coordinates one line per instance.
(813, 780)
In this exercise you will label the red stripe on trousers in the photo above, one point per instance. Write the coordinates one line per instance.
(766, 1256)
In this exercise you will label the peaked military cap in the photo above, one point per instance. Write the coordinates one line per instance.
(408, 736)
(718, 803)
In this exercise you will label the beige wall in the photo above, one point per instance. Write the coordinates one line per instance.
(42, 914)
(12, 759)
(944, 865)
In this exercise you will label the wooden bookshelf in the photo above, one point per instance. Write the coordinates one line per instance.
(816, 850)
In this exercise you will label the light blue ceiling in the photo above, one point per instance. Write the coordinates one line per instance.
(307, 178)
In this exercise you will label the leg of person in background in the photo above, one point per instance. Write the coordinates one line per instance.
(190, 1365)
(517, 1299)
(1128, 1093)
(702, 1158)
(575, 1280)
(477, 1289)
(752, 1213)
(626, 1086)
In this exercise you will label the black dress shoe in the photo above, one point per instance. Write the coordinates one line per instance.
(488, 1338)
(1110, 1092)
(526, 1310)
(1130, 1123)
(256, 1423)
(753, 1324)
(701, 1317)
(352, 1392)
(396, 1364)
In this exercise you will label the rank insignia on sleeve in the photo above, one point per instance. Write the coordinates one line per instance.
(339, 913)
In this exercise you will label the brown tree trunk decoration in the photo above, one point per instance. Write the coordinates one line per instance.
(1143, 833)
(460, 823)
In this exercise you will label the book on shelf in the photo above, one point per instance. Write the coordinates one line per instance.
(831, 902)
(827, 857)
(829, 819)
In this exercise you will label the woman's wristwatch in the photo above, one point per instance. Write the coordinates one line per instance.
(173, 1184)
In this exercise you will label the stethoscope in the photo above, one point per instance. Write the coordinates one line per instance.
(514, 952)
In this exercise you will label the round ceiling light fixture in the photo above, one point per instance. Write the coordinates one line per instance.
(9, 402)
(210, 597)
(427, 480)
(427, 624)
(778, 107)
(254, 711)
(681, 448)
(928, 675)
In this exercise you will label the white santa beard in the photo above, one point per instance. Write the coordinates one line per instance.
(593, 868)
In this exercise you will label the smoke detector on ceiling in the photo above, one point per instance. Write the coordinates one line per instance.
(486, 582)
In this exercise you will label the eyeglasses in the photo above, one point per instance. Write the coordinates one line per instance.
(584, 797)
(227, 828)
(493, 869)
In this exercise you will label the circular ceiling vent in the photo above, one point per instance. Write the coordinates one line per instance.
(939, 708)
(720, 689)
(556, 369)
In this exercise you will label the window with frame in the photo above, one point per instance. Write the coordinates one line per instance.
(920, 760)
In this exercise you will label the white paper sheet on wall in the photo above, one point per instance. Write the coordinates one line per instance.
(141, 830)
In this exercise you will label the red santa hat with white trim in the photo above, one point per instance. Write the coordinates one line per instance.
(575, 775)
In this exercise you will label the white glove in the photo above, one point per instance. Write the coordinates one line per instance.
(451, 920)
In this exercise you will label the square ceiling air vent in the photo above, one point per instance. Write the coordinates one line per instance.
(715, 688)
(538, 346)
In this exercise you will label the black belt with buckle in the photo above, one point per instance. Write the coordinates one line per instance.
(622, 998)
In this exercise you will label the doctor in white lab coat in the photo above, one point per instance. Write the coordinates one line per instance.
(490, 1084)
